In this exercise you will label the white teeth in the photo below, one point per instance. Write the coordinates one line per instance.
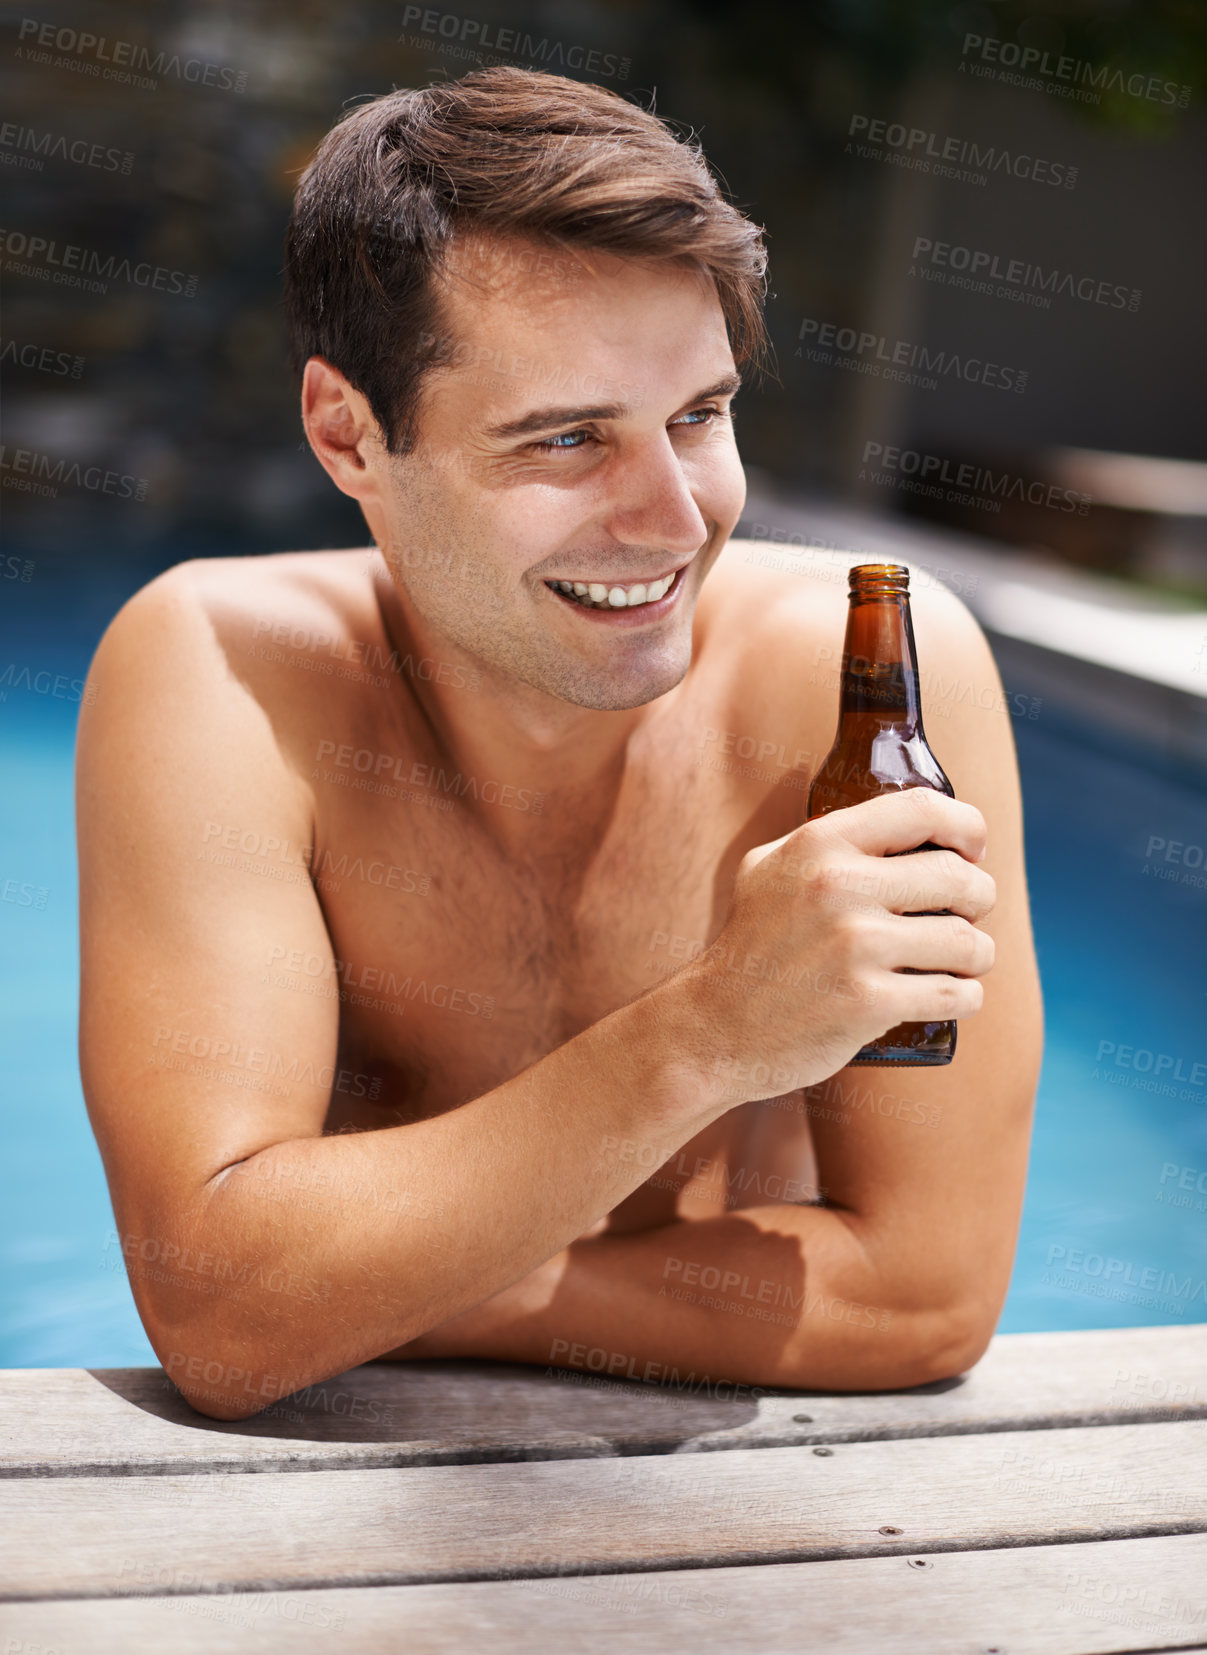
(597, 595)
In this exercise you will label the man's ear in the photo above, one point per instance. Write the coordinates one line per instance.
(340, 427)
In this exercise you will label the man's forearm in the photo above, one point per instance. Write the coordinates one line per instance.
(334, 1249)
(776, 1296)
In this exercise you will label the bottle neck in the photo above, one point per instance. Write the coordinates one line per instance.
(879, 667)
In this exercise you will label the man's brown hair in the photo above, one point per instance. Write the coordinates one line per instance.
(505, 152)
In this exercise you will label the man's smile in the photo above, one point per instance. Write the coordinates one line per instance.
(648, 599)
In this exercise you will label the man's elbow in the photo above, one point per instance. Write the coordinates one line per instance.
(217, 1406)
(228, 1358)
(221, 1384)
(947, 1344)
(905, 1348)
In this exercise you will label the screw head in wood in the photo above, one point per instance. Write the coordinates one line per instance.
(920, 1563)
(802, 1419)
(824, 1453)
(889, 1529)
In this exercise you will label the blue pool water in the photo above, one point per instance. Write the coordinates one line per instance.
(1115, 1226)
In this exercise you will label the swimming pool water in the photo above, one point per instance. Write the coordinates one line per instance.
(1119, 1157)
(1115, 1224)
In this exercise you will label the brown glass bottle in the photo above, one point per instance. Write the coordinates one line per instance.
(880, 747)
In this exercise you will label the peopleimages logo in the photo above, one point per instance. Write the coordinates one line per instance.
(26, 469)
(1054, 73)
(962, 159)
(873, 353)
(1114, 1274)
(906, 467)
(57, 685)
(1147, 1070)
(44, 359)
(1165, 857)
(122, 60)
(976, 271)
(481, 43)
(32, 145)
(69, 259)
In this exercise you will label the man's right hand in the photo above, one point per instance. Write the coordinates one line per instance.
(811, 963)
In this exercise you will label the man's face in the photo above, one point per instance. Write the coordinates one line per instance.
(578, 434)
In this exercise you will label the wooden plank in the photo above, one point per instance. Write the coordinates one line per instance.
(81, 1536)
(1087, 1599)
(70, 1421)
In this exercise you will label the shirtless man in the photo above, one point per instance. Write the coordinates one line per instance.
(437, 948)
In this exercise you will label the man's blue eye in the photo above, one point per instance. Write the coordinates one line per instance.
(566, 441)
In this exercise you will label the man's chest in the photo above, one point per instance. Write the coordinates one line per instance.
(469, 944)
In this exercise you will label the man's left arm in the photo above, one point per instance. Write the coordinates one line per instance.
(900, 1277)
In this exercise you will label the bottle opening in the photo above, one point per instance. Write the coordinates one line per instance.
(878, 580)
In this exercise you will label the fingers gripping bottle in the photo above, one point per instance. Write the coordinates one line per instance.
(880, 747)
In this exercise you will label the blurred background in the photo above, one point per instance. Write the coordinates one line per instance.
(986, 279)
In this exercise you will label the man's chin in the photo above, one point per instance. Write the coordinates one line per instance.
(605, 694)
(604, 673)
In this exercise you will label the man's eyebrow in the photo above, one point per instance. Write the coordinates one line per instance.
(545, 419)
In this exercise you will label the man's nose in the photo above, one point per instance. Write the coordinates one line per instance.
(651, 503)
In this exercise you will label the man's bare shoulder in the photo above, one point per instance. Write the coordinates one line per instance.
(245, 599)
(234, 656)
(763, 594)
(261, 629)
(802, 583)
(771, 626)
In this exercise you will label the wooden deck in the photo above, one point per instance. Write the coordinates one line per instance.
(1053, 1502)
